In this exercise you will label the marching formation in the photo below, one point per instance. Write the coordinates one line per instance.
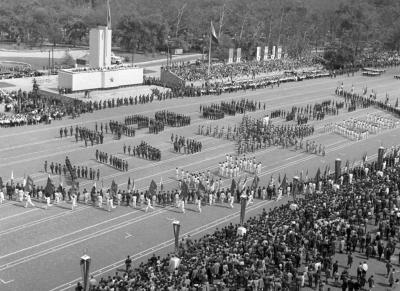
(114, 161)
(190, 146)
(172, 118)
(146, 151)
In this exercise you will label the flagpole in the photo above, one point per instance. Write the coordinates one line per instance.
(209, 58)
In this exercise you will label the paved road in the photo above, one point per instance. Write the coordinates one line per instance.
(40, 248)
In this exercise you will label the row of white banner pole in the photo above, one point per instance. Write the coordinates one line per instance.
(276, 53)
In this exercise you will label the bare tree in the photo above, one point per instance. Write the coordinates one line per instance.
(180, 14)
(221, 20)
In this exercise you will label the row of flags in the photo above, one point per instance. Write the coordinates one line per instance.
(240, 185)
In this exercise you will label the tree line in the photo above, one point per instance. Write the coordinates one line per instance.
(157, 25)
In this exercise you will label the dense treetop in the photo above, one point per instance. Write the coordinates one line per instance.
(148, 24)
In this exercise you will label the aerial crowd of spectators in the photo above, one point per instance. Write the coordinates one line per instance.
(293, 245)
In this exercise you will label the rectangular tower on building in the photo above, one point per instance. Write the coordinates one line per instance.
(100, 47)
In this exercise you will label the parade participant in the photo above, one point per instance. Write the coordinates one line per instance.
(100, 200)
(148, 201)
(57, 197)
(231, 200)
(211, 198)
(73, 203)
(1, 196)
(182, 205)
(134, 198)
(86, 196)
(28, 200)
(198, 202)
(48, 202)
(250, 199)
(20, 195)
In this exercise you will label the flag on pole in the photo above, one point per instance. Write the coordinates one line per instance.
(12, 177)
(114, 188)
(213, 34)
(397, 103)
(243, 202)
(284, 182)
(49, 189)
(365, 158)
(184, 189)
(256, 180)
(24, 181)
(176, 226)
(29, 184)
(129, 183)
(243, 185)
(1, 183)
(279, 179)
(201, 190)
(161, 184)
(133, 184)
(108, 15)
(233, 186)
(317, 178)
(153, 188)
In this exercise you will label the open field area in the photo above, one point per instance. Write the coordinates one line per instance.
(40, 249)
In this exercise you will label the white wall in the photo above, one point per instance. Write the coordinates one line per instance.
(100, 79)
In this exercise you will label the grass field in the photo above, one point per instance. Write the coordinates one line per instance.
(40, 249)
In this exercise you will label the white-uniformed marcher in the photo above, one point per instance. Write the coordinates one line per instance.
(28, 200)
(73, 204)
(48, 202)
(1, 196)
(148, 204)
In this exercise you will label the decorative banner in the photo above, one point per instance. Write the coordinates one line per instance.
(85, 266)
(266, 53)
(176, 226)
(238, 55)
(338, 169)
(243, 202)
(273, 53)
(279, 52)
(381, 151)
(258, 56)
(230, 60)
